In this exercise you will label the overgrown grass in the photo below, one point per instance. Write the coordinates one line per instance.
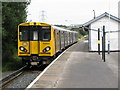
(0, 69)
(1, 31)
(12, 65)
(81, 37)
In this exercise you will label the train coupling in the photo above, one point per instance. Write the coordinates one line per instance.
(34, 63)
(34, 60)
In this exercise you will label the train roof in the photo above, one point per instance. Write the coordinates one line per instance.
(58, 28)
(45, 24)
(35, 23)
(62, 29)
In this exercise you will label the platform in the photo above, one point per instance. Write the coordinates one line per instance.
(78, 68)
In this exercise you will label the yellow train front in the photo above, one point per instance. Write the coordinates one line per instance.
(38, 42)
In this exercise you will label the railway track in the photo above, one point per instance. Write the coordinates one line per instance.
(26, 77)
(12, 76)
(13, 80)
(21, 78)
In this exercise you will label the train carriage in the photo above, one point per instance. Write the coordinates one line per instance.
(37, 42)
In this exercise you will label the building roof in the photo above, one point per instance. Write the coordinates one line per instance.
(101, 16)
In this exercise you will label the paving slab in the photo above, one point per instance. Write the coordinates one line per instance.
(78, 68)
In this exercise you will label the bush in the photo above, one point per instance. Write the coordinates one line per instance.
(13, 64)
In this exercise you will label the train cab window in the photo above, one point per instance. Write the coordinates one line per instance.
(24, 33)
(35, 35)
(45, 34)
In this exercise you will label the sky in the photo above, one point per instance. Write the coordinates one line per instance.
(67, 12)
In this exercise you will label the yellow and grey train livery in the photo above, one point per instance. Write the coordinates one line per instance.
(37, 41)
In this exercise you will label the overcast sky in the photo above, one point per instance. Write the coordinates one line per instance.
(70, 11)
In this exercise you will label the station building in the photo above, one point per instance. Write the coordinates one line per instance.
(111, 24)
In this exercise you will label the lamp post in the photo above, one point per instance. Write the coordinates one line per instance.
(109, 31)
(94, 13)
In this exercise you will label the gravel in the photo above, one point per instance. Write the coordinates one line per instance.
(24, 80)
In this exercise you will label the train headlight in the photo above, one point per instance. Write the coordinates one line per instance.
(46, 49)
(23, 49)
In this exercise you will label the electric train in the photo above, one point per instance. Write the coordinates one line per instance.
(38, 42)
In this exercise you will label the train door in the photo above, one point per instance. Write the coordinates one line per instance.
(72, 37)
(34, 42)
(69, 38)
(60, 40)
(64, 39)
(57, 40)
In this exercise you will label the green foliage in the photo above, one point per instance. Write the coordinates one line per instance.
(13, 13)
(83, 32)
(62, 26)
(12, 65)
(13, 61)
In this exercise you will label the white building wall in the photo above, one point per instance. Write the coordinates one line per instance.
(113, 37)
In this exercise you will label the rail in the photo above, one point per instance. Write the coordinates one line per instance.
(12, 76)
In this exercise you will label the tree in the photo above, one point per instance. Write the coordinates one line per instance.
(13, 13)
